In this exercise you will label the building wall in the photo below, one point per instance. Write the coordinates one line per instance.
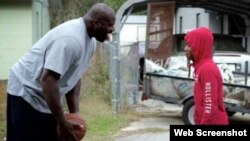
(22, 23)
(206, 18)
(189, 19)
(15, 35)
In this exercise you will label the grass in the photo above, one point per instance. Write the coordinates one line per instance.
(95, 105)
(102, 123)
(2, 109)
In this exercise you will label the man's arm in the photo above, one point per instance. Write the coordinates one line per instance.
(72, 98)
(51, 95)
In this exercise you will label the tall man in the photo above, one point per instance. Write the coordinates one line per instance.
(50, 71)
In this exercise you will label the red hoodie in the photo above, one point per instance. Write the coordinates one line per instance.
(208, 87)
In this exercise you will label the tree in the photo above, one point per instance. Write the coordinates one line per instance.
(63, 10)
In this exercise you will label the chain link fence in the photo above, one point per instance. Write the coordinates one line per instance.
(124, 75)
(129, 67)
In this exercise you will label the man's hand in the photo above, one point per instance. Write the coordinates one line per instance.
(65, 131)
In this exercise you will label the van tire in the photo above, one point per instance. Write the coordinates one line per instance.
(230, 114)
(188, 111)
(141, 69)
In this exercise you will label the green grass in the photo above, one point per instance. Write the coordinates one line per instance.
(96, 105)
(2, 109)
(102, 123)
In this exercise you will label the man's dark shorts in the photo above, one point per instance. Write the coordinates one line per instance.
(24, 123)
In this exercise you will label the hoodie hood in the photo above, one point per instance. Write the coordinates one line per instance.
(201, 42)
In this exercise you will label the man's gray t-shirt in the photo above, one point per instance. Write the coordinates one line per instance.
(66, 50)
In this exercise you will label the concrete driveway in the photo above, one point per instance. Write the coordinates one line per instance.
(154, 126)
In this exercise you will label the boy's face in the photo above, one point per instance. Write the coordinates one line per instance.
(188, 52)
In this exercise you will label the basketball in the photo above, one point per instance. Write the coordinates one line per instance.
(76, 118)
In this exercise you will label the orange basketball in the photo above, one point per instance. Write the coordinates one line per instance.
(76, 118)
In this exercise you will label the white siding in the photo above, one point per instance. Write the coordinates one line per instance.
(15, 35)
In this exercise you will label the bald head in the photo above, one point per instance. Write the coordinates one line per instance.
(101, 11)
(100, 21)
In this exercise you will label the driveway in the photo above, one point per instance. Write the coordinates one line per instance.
(154, 125)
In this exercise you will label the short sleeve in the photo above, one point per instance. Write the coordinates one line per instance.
(61, 54)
